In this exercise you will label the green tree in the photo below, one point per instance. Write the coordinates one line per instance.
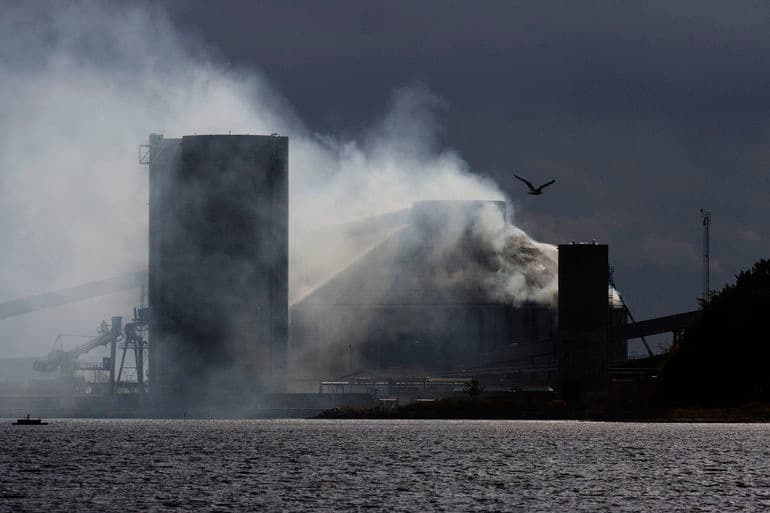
(724, 357)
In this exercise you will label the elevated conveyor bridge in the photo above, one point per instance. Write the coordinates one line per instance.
(127, 281)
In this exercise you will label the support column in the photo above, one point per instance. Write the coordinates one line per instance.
(114, 334)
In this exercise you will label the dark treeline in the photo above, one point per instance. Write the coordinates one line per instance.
(724, 357)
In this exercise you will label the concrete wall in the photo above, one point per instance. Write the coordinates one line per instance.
(400, 339)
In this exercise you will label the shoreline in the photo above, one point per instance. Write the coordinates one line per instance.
(495, 410)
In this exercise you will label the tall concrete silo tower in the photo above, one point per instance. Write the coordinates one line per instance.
(218, 269)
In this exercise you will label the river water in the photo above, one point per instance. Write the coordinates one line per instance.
(317, 465)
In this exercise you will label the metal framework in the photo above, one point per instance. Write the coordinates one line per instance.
(706, 220)
(627, 309)
(144, 154)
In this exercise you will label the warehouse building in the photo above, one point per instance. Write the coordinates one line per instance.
(424, 302)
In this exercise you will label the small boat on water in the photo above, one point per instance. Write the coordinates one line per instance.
(29, 422)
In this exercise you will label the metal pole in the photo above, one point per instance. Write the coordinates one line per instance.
(122, 361)
(350, 367)
(139, 359)
(116, 326)
(706, 218)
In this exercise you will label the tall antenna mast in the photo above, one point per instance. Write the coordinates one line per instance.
(706, 218)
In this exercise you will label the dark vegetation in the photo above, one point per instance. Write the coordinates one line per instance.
(724, 358)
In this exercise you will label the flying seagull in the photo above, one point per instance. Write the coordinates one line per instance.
(535, 191)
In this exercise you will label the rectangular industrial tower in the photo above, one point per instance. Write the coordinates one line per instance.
(218, 279)
(584, 312)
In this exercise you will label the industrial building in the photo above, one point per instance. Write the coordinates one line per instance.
(414, 309)
(218, 268)
(432, 296)
(422, 303)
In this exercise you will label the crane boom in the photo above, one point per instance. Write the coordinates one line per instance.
(59, 358)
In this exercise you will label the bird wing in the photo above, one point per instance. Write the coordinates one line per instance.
(547, 184)
(529, 184)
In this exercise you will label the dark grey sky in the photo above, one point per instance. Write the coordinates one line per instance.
(644, 112)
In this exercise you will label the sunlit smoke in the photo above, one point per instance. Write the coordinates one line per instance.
(82, 84)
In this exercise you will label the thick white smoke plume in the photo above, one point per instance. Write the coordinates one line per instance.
(82, 84)
(519, 268)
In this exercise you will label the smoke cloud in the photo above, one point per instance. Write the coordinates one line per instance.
(82, 84)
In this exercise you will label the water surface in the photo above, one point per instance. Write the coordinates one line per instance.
(316, 465)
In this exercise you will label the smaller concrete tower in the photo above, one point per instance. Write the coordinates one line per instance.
(583, 320)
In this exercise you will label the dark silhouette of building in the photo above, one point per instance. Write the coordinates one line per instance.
(218, 269)
(584, 316)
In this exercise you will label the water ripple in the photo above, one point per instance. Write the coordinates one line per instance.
(394, 466)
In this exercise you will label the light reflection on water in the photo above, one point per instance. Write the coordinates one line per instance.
(302, 465)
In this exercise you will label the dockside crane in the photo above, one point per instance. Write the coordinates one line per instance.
(65, 362)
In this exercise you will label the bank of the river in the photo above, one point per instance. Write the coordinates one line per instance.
(500, 409)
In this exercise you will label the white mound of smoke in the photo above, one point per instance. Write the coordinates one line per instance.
(527, 270)
(476, 249)
(82, 84)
